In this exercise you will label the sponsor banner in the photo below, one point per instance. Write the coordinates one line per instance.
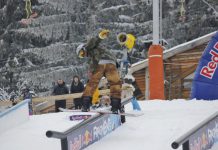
(206, 74)
(206, 137)
(93, 132)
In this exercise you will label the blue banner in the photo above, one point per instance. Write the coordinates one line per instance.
(93, 132)
(206, 137)
(205, 83)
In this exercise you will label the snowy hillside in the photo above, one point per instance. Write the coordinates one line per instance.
(38, 54)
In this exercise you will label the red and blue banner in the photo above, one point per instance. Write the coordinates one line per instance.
(206, 137)
(93, 132)
(205, 83)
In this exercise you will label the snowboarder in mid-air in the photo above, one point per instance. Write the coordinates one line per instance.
(102, 63)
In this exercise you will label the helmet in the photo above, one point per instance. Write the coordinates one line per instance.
(103, 34)
(81, 51)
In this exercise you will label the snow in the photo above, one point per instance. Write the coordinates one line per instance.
(162, 123)
(114, 7)
(125, 18)
(14, 116)
(32, 133)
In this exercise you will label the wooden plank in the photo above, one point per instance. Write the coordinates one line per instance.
(190, 53)
(66, 96)
(42, 106)
(185, 73)
(5, 103)
(176, 59)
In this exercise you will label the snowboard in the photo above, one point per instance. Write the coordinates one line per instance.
(128, 114)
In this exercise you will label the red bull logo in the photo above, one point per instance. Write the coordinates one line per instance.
(209, 70)
(93, 132)
(87, 137)
(206, 139)
(81, 140)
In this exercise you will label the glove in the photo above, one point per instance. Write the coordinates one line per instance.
(103, 34)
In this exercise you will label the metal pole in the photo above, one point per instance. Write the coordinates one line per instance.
(146, 84)
(156, 22)
(160, 23)
(184, 138)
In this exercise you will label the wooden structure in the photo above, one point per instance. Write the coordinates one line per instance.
(46, 104)
(180, 63)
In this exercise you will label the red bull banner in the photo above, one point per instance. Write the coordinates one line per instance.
(93, 132)
(206, 137)
(205, 83)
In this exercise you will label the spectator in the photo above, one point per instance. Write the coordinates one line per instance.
(27, 94)
(77, 87)
(13, 98)
(60, 89)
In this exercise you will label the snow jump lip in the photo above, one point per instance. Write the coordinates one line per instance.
(4, 113)
(14, 116)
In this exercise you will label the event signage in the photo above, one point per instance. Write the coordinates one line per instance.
(205, 137)
(93, 132)
(205, 82)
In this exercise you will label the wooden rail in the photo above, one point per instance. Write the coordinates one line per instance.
(66, 96)
(42, 103)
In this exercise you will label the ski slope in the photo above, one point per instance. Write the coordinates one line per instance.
(161, 124)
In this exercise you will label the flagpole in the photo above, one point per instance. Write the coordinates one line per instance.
(156, 22)
(155, 58)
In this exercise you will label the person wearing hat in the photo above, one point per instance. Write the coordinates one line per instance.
(102, 63)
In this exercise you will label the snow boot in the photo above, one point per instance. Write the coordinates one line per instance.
(115, 105)
(86, 101)
(123, 118)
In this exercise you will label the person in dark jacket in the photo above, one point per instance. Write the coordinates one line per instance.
(60, 89)
(77, 87)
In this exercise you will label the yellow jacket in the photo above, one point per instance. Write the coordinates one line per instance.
(95, 97)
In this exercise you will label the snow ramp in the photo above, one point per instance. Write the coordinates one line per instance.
(14, 116)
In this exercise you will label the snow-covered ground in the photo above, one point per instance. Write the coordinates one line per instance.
(161, 124)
